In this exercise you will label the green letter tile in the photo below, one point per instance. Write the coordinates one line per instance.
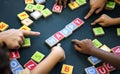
(46, 12)
(98, 31)
(97, 43)
(29, 7)
(110, 5)
(37, 56)
(81, 2)
(118, 31)
(26, 42)
(39, 7)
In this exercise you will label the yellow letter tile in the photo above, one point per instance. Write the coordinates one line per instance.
(73, 5)
(3, 26)
(67, 69)
(23, 15)
(29, 1)
(25, 28)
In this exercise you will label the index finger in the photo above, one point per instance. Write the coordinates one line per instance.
(90, 13)
(71, 0)
(30, 33)
(57, 1)
(76, 41)
(96, 21)
(64, 2)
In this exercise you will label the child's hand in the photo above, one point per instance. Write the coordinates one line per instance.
(59, 51)
(95, 6)
(84, 46)
(104, 20)
(57, 47)
(14, 38)
(62, 2)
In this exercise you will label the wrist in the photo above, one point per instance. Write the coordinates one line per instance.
(93, 51)
(116, 21)
(57, 53)
(1, 41)
(1, 44)
(105, 1)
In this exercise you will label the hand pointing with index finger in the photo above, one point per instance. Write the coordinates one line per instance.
(95, 6)
(13, 38)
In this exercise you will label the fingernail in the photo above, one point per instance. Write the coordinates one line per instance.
(37, 33)
(85, 18)
(59, 44)
(73, 40)
(92, 23)
(17, 47)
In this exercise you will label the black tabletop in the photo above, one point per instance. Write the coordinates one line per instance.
(54, 23)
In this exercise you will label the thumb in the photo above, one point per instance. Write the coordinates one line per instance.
(59, 44)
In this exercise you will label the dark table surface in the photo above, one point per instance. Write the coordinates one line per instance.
(48, 26)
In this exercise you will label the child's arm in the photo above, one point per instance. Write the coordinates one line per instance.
(57, 54)
(86, 46)
(95, 6)
(116, 21)
(106, 20)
